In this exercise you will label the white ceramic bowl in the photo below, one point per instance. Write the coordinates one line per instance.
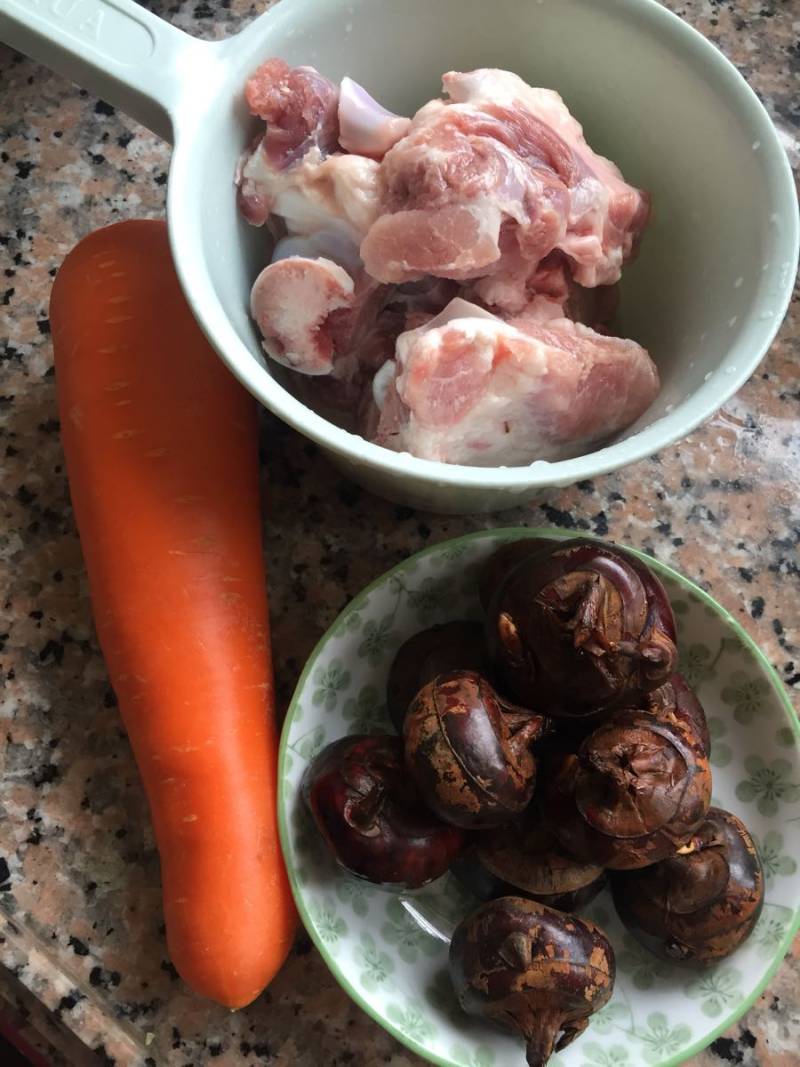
(717, 265)
(389, 950)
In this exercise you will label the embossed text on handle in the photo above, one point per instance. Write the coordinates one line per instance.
(98, 24)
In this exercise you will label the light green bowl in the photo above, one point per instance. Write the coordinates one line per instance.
(717, 265)
(714, 277)
(389, 950)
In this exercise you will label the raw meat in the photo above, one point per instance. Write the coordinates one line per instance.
(470, 388)
(294, 169)
(500, 157)
(313, 194)
(445, 284)
(547, 292)
(300, 108)
(364, 336)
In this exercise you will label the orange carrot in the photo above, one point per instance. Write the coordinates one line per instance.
(161, 451)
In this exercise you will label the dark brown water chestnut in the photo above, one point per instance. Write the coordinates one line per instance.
(698, 905)
(371, 816)
(469, 751)
(636, 789)
(581, 627)
(676, 701)
(525, 859)
(459, 645)
(533, 970)
(503, 560)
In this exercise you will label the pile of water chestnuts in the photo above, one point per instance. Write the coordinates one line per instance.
(543, 754)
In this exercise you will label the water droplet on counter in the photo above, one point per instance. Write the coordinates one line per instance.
(765, 268)
(732, 322)
(738, 283)
(756, 145)
(703, 335)
(766, 315)
(669, 409)
(774, 219)
(707, 377)
(730, 370)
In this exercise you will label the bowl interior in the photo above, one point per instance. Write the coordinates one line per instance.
(717, 263)
(389, 950)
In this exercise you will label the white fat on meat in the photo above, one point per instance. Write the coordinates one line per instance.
(472, 389)
(366, 128)
(293, 301)
(313, 194)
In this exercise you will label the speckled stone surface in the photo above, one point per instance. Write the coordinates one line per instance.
(79, 894)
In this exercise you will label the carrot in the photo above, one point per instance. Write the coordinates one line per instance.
(161, 450)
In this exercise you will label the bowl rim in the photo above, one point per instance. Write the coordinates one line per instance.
(190, 261)
(507, 532)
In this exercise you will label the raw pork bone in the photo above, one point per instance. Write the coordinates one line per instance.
(469, 388)
(316, 193)
(500, 158)
(294, 301)
(295, 168)
(366, 128)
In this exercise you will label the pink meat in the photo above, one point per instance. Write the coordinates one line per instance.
(299, 106)
(294, 302)
(294, 169)
(364, 336)
(476, 390)
(501, 160)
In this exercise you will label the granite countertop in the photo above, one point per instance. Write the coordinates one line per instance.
(82, 938)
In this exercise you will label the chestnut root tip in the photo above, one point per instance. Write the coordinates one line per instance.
(541, 1033)
(535, 971)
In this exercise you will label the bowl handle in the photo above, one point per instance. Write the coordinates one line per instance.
(119, 51)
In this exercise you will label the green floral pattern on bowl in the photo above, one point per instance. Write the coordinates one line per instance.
(389, 950)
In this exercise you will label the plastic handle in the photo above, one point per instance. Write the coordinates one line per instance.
(115, 49)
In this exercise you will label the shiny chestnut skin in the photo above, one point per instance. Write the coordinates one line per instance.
(372, 818)
(698, 905)
(459, 645)
(533, 970)
(676, 701)
(525, 859)
(503, 561)
(579, 628)
(469, 751)
(635, 790)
